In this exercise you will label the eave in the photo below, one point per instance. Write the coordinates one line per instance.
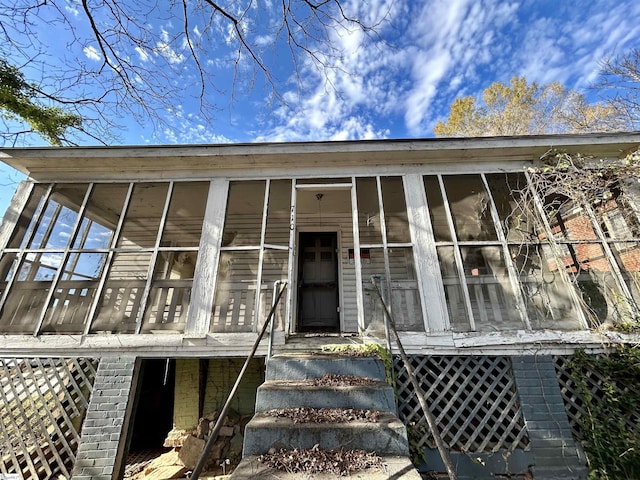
(42, 162)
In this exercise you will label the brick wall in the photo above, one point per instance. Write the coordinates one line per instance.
(554, 449)
(101, 445)
(186, 397)
(222, 375)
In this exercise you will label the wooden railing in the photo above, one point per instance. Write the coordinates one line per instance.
(235, 305)
(405, 301)
(121, 301)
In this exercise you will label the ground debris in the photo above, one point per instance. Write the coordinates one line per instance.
(316, 460)
(334, 380)
(325, 415)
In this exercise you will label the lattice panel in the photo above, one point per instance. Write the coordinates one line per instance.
(43, 401)
(474, 401)
(594, 381)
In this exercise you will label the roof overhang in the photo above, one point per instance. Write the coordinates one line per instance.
(43, 161)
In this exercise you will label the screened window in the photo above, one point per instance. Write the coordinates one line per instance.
(102, 257)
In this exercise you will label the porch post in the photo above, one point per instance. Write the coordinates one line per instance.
(12, 215)
(356, 256)
(434, 310)
(206, 271)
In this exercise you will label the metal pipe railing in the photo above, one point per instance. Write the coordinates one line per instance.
(272, 327)
(223, 413)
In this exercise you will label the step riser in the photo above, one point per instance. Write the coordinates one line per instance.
(388, 438)
(361, 397)
(307, 368)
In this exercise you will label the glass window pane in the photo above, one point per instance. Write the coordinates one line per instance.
(439, 222)
(469, 205)
(275, 266)
(518, 224)
(368, 211)
(101, 216)
(234, 302)
(627, 255)
(24, 304)
(183, 226)
(74, 293)
(26, 222)
(143, 215)
(373, 264)
(243, 221)
(490, 290)
(120, 302)
(454, 297)
(395, 210)
(170, 294)
(619, 219)
(567, 219)
(547, 297)
(596, 282)
(55, 227)
(279, 212)
(39, 266)
(405, 296)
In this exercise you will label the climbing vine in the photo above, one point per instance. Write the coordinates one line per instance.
(610, 426)
(577, 206)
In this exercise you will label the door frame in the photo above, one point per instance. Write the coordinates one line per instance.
(319, 229)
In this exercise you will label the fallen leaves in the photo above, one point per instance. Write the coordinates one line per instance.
(325, 415)
(316, 460)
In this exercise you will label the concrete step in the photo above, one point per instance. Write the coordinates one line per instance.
(397, 468)
(387, 436)
(305, 366)
(283, 394)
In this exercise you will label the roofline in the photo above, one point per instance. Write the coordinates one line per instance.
(30, 160)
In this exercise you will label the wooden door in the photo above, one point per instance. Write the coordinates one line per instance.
(318, 282)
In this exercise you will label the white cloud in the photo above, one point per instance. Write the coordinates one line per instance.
(92, 53)
(165, 49)
(144, 56)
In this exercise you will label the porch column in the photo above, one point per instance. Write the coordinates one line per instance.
(434, 310)
(206, 271)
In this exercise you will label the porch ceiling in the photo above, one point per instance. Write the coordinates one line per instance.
(43, 162)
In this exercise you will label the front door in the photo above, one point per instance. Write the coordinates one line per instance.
(318, 282)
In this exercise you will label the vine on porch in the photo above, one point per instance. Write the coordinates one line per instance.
(568, 183)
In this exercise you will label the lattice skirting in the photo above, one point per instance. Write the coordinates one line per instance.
(594, 381)
(43, 402)
(473, 398)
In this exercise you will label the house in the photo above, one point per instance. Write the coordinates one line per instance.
(169, 257)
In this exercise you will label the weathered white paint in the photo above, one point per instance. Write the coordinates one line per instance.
(288, 327)
(206, 270)
(356, 256)
(513, 274)
(127, 160)
(425, 255)
(556, 251)
(12, 215)
(239, 344)
(65, 257)
(456, 254)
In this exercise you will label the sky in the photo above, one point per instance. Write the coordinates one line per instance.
(394, 82)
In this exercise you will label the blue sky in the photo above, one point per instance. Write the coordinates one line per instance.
(395, 84)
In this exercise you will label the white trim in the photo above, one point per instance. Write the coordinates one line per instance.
(356, 258)
(425, 254)
(206, 269)
(14, 210)
(294, 284)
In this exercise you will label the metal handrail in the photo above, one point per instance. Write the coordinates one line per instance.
(433, 426)
(213, 436)
(272, 328)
